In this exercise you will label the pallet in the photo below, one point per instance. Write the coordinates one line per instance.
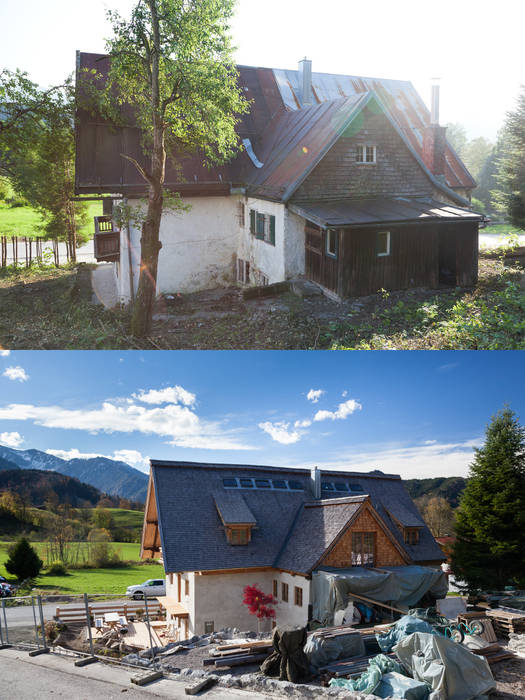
(505, 621)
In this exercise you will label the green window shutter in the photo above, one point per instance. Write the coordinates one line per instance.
(252, 220)
(259, 227)
(272, 230)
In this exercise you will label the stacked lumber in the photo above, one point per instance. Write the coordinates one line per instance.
(239, 654)
(505, 621)
(78, 614)
(494, 653)
(349, 667)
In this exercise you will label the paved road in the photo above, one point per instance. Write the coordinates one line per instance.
(49, 677)
(22, 615)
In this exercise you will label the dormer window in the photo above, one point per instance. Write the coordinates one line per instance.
(239, 535)
(411, 535)
(366, 154)
(237, 519)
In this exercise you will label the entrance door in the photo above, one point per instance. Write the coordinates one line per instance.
(447, 258)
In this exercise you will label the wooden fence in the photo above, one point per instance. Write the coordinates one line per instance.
(25, 250)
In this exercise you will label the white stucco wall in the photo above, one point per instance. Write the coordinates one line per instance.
(218, 598)
(198, 247)
(264, 258)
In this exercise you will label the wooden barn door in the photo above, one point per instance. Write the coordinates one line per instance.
(313, 252)
(319, 266)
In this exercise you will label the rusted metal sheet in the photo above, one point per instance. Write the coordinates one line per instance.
(404, 103)
(359, 212)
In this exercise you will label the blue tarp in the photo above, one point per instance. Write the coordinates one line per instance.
(403, 627)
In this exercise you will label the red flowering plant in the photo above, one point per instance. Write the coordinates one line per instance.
(259, 604)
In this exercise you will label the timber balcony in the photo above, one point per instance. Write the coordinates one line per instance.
(107, 240)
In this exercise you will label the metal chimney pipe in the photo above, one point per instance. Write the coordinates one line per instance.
(434, 116)
(305, 81)
(315, 476)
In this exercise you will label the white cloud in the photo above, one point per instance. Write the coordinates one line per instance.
(280, 433)
(418, 461)
(344, 394)
(314, 395)
(181, 425)
(302, 423)
(343, 411)
(16, 374)
(5, 353)
(171, 394)
(11, 439)
(132, 457)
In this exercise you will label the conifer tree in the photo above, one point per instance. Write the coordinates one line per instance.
(23, 560)
(511, 168)
(489, 552)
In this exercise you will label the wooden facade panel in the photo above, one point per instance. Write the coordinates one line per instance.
(386, 553)
(467, 256)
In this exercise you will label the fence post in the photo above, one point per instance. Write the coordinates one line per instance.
(34, 621)
(154, 660)
(88, 659)
(45, 648)
(5, 622)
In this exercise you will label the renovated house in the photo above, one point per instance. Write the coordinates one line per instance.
(220, 527)
(346, 181)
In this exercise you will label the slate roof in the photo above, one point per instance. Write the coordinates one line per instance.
(287, 524)
(232, 508)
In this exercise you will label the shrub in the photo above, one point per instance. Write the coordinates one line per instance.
(57, 568)
(23, 562)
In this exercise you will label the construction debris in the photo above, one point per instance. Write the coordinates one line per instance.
(200, 686)
(507, 622)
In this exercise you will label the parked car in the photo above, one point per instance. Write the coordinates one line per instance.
(151, 589)
(6, 589)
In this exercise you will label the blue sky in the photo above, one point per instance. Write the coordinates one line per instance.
(474, 46)
(419, 414)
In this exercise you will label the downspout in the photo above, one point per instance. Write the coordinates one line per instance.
(130, 264)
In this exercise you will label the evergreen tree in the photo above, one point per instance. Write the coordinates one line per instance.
(23, 560)
(511, 169)
(489, 552)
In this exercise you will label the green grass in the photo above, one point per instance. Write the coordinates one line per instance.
(24, 221)
(127, 518)
(501, 230)
(110, 581)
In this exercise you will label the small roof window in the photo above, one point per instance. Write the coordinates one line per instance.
(279, 484)
(230, 483)
(263, 484)
(356, 487)
(339, 486)
(246, 483)
(327, 486)
(295, 485)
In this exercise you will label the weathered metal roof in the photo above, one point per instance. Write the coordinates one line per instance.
(399, 96)
(360, 212)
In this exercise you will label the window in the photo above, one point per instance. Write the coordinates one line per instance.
(186, 587)
(209, 627)
(295, 485)
(171, 579)
(279, 483)
(327, 486)
(366, 154)
(331, 242)
(298, 596)
(341, 487)
(229, 483)
(363, 548)
(246, 483)
(383, 243)
(275, 589)
(262, 226)
(411, 535)
(242, 215)
(243, 271)
(238, 535)
(357, 488)
(263, 484)
(284, 592)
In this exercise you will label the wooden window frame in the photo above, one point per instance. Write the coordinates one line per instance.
(361, 555)
(239, 536)
(388, 244)
(275, 588)
(243, 273)
(209, 627)
(411, 536)
(327, 250)
(263, 226)
(298, 596)
(362, 154)
(186, 588)
(284, 592)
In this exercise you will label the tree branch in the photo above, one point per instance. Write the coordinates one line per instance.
(139, 167)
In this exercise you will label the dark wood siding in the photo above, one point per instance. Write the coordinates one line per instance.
(467, 255)
(320, 267)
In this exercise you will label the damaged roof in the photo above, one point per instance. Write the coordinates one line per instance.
(277, 117)
(290, 531)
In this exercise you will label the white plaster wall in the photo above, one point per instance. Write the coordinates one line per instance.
(263, 257)
(294, 239)
(289, 613)
(198, 247)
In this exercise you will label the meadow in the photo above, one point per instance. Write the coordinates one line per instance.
(25, 221)
(110, 581)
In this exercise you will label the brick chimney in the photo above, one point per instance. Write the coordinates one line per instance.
(305, 82)
(434, 140)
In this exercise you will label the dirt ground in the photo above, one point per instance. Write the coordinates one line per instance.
(510, 677)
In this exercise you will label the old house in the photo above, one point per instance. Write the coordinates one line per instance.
(220, 527)
(347, 181)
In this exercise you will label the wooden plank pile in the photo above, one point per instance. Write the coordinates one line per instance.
(349, 667)
(494, 653)
(505, 621)
(239, 654)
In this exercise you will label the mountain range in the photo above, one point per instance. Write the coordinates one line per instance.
(107, 475)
